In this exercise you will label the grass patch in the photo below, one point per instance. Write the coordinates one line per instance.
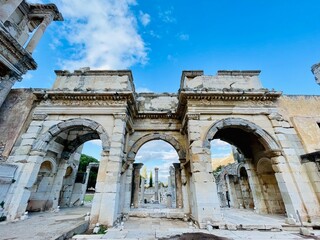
(88, 197)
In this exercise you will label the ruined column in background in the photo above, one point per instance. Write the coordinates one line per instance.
(156, 185)
(136, 184)
(178, 185)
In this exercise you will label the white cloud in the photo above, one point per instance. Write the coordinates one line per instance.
(143, 90)
(183, 37)
(96, 142)
(27, 76)
(219, 143)
(102, 34)
(167, 16)
(144, 18)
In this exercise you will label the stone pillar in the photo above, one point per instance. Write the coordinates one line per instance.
(106, 201)
(173, 185)
(232, 192)
(136, 184)
(7, 8)
(292, 197)
(143, 182)
(39, 32)
(178, 185)
(128, 189)
(6, 84)
(184, 189)
(87, 176)
(256, 190)
(205, 204)
(156, 185)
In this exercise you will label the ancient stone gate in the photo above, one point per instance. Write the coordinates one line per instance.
(231, 106)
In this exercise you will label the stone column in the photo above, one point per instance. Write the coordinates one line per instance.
(156, 185)
(136, 184)
(178, 185)
(87, 175)
(7, 8)
(39, 32)
(128, 189)
(173, 185)
(143, 182)
(232, 192)
(185, 192)
(6, 84)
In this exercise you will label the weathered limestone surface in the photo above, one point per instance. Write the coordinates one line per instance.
(271, 132)
(18, 20)
(14, 115)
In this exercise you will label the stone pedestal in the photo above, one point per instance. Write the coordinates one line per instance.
(178, 185)
(136, 184)
(156, 185)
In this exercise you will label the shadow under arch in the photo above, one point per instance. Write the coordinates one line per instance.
(264, 138)
(98, 132)
(156, 136)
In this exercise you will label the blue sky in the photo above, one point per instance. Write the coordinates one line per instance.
(157, 39)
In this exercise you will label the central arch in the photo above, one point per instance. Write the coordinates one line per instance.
(156, 136)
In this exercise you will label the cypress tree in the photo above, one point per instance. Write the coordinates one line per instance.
(150, 180)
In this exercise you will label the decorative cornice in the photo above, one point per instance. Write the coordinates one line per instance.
(157, 116)
(83, 96)
(38, 9)
(231, 95)
(11, 49)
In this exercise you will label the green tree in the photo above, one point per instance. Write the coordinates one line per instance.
(150, 180)
(84, 162)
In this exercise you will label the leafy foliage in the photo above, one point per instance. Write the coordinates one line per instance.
(84, 162)
(217, 171)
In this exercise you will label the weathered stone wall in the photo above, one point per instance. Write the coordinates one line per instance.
(14, 119)
(86, 80)
(304, 112)
(152, 103)
(223, 80)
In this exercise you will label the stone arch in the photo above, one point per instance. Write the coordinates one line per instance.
(157, 136)
(239, 167)
(264, 165)
(41, 145)
(265, 138)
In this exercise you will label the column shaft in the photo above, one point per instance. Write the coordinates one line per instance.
(39, 32)
(136, 183)
(156, 185)
(178, 185)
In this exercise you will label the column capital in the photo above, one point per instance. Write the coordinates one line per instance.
(137, 166)
(121, 116)
(176, 166)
